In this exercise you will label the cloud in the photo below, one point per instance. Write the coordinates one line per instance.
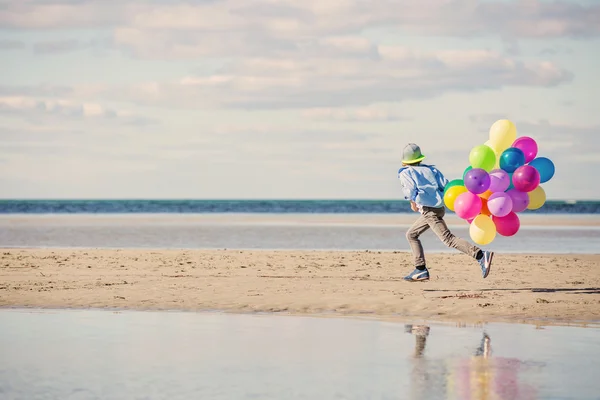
(11, 45)
(398, 74)
(364, 114)
(69, 45)
(60, 46)
(36, 90)
(34, 108)
(325, 80)
(572, 139)
(293, 19)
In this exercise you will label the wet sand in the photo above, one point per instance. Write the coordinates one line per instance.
(564, 288)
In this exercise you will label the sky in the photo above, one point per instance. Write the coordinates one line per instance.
(287, 99)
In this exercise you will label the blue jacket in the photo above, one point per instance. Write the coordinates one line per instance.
(423, 184)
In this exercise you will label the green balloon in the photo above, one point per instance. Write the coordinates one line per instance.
(482, 157)
(466, 170)
(454, 182)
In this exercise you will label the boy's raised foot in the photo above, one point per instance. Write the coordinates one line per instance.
(486, 263)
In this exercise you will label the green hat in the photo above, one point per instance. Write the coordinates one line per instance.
(412, 154)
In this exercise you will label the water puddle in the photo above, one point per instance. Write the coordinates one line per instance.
(93, 354)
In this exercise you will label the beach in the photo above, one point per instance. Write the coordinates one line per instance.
(521, 287)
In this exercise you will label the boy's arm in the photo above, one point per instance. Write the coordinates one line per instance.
(408, 187)
(442, 181)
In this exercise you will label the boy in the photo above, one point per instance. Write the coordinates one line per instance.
(423, 186)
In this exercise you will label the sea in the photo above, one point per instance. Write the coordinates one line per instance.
(557, 227)
(250, 206)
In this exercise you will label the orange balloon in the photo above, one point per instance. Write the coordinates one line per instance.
(484, 208)
(485, 195)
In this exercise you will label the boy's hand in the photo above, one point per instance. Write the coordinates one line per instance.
(413, 206)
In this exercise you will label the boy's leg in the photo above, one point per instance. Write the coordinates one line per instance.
(412, 235)
(435, 219)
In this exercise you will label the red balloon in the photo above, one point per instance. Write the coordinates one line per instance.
(526, 178)
(508, 225)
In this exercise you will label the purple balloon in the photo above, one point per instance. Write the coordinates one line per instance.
(500, 204)
(520, 200)
(499, 180)
(477, 180)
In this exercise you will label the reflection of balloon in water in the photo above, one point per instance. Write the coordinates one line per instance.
(528, 146)
(452, 183)
(508, 225)
(451, 195)
(500, 204)
(482, 230)
(467, 205)
(520, 200)
(482, 157)
(537, 198)
(499, 180)
(545, 167)
(477, 180)
(526, 178)
(511, 159)
(503, 133)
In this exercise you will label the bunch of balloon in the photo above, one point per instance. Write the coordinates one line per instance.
(503, 178)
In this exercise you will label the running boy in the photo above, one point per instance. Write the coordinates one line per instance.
(423, 185)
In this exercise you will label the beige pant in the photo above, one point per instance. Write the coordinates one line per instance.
(434, 218)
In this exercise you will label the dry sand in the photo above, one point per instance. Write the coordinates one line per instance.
(562, 288)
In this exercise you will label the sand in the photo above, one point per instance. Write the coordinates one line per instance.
(520, 288)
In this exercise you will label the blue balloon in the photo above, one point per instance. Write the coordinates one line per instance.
(511, 159)
(511, 186)
(545, 167)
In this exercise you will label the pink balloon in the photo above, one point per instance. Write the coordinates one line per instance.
(467, 205)
(520, 200)
(528, 146)
(508, 225)
(499, 180)
(500, 204)
(526, 178)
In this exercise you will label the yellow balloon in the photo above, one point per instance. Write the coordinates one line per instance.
(496, 151)
(537, 198)
(452, 194)
(482, 230)
(503, 134)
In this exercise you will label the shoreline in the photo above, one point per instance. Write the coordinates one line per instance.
(522, 288)
(317, 219)
(412, 319)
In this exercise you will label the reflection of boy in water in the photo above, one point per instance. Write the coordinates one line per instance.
(428, 379)
(421, 332)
